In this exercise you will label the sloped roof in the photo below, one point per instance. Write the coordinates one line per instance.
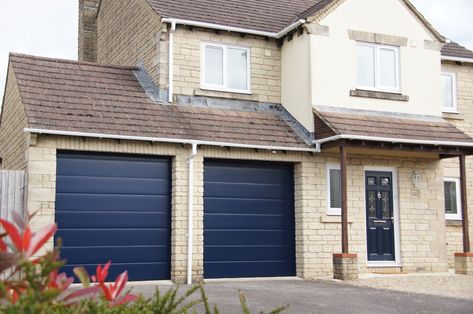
(64, 95)
(262, 15)
(453, 49)
(337, 121)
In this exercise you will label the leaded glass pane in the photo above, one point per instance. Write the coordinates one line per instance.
(372, 204)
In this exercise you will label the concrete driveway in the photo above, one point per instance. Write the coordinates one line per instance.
(320, 297)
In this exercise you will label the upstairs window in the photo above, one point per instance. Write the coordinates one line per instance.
(449, 92)
(452, 199)
(334, 190)
(225, 68)
(378, 67)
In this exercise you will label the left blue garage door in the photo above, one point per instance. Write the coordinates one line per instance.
(115, 207)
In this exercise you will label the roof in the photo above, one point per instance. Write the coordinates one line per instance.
(262, 15)
(75, 96)
(453, 49)
(336, 121)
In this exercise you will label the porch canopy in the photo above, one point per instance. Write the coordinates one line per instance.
(340, 128)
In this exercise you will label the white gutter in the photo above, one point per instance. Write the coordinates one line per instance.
(457, 59)
(167, 140)
(171, 62)
(319, 143)
(234, 29)
(190, 213)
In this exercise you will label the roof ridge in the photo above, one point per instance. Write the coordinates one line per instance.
(69, 61)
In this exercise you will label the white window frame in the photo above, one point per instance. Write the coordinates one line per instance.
(458, 215)
(224, 87)
(454, 93)
(377, 87)
(331, 211)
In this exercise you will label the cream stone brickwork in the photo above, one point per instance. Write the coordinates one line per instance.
(317, 235)
(129, 31)
(13, 121)
(464, 121)
(265, 64)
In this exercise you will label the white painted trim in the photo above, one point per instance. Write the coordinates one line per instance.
(377, 85)
(389, 139)
(224, 87)
(235, 29)
(166, 140)
(458, 215)
(457, 59)
(397, 217)
(331, 211)
(453, 76)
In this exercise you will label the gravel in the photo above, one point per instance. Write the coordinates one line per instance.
(444, 284)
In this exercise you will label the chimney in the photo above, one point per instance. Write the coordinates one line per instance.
(88, 10)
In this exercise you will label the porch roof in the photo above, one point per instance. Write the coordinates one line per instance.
(334, 124)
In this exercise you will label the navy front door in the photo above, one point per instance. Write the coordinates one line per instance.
(248, 219)
(379, 215)
(115, 207)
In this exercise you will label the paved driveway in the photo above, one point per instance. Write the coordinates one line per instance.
(321, 297)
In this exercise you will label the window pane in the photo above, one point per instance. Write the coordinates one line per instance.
(213, 65)
(237, 69)
(366, 66)
(447, 88)
(335, 189)
(450, 197)
(387, 68)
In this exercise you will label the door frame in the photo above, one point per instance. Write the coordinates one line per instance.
(397, 237)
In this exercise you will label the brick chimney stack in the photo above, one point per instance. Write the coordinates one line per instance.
(88, 10)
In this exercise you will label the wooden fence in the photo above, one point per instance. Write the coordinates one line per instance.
(12, 193)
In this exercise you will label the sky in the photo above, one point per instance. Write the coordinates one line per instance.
(49, 27)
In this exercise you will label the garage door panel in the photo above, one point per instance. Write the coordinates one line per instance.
(111, 185)
(236, 221)
(112, 237)
(118, 208)
(101, 254)
(241, 269)
(105, 202)
(138, 271)
(246, 173)
(112, 166)
(247, 191)
(242, 237)
(94, 220)
(247, 253)
(246, 206)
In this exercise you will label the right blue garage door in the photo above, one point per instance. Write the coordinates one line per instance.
(248, 219)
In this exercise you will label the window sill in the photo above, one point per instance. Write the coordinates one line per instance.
(452, 116)
(333, 219)
(453, 222)
(224, 94)
(378, 95)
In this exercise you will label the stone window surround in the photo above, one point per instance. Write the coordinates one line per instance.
(378, 94)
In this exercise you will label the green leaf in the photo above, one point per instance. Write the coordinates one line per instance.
(83, 275)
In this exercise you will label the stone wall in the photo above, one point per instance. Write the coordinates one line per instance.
(12, 122)
(464, 121)
(317, 235)
(87, 39)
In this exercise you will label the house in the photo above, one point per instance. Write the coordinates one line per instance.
(231, 139)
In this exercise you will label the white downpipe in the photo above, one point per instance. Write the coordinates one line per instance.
(171, 62)
(234, 29)
(166, 140)
(190, 213)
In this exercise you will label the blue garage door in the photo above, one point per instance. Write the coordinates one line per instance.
(115, 207)
(248, 219)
